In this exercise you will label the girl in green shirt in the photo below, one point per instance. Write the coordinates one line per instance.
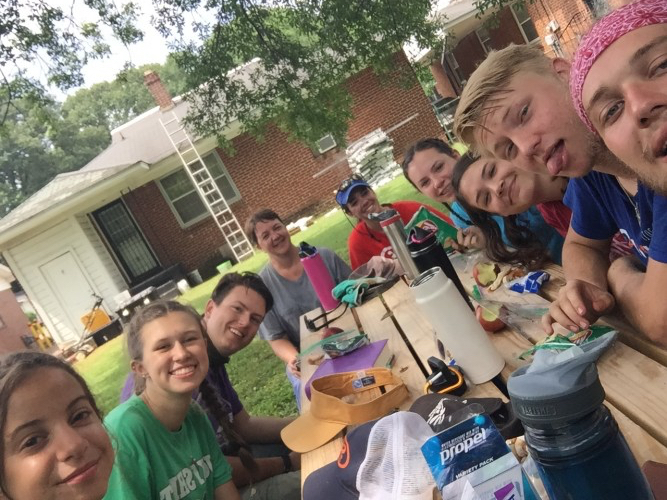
(165, 446)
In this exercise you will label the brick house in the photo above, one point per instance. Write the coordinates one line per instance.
(555, 25)
(132, 217)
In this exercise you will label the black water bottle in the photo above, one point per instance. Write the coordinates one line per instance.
(427, 252)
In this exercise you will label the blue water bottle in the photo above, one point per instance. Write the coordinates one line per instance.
(573, 438)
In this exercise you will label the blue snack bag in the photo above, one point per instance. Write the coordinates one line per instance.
(471, 461)
(530, 283)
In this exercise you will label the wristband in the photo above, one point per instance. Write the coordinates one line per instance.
(287, 463)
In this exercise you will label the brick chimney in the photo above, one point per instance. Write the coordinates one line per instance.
(158, 90)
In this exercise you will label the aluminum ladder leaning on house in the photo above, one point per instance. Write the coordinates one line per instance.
(206, 186)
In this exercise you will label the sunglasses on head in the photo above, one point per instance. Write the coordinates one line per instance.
(346, 183)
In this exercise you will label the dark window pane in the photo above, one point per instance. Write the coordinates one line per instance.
(213, 164)
(183, 194)
(225, 188)
(521, 12)
(525, 21)
(530, 31)
(177, 184)
(189, 207)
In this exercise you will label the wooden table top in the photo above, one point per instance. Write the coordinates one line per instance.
(376, 320)
(633, 372)
(635, 383)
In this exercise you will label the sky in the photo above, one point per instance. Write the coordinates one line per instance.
(152, 49)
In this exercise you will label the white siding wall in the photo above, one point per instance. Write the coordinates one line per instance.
(75, 235)
(104, 271)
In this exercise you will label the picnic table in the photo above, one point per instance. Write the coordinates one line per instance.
(379, 322)
(633, 372)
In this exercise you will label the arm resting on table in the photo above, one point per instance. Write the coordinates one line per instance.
(585, 259)
(584, 298)
(641, 295)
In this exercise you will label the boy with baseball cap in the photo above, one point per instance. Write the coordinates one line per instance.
(358, 199)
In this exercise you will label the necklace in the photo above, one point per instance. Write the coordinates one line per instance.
(633, 203)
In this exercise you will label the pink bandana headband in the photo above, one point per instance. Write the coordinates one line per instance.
(605, 32)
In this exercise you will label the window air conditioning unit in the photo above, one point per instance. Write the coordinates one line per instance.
(553, 26)
(326, 143)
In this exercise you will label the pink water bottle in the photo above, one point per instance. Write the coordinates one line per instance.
(319, 276)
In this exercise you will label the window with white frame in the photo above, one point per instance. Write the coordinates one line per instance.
(524, 22)
(184, 199)
(484, 38)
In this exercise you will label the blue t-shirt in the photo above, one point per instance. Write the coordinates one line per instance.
(600, 208)
(531, 218)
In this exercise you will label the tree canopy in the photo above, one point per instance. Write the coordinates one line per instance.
(306, 51)
(38, 39)
(42, 138)
(262, 62)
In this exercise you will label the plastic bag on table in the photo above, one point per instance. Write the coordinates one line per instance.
(378, 267)
(334, 346)
(467, 260)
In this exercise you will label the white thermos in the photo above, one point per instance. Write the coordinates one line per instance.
(456, 326)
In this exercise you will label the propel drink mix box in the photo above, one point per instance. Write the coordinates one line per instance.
(471, 461)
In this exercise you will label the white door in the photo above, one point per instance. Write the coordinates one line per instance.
(71, 289)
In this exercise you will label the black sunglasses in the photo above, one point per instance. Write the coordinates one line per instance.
(347, 182)
(314, 324)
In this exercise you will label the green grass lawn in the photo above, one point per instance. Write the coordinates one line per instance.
(257, 375)
(105, 371)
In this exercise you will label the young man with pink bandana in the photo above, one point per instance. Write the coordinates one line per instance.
(619, 87)
(618, 83)
(516, 106)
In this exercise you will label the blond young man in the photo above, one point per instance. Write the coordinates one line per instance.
(516, 106)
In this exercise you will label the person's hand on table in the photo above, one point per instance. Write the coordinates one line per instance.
(379, 266)
(294, 370)
(579, 304)
(470, 238)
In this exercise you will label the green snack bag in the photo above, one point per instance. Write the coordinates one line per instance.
(560, 342)
(427, 220)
